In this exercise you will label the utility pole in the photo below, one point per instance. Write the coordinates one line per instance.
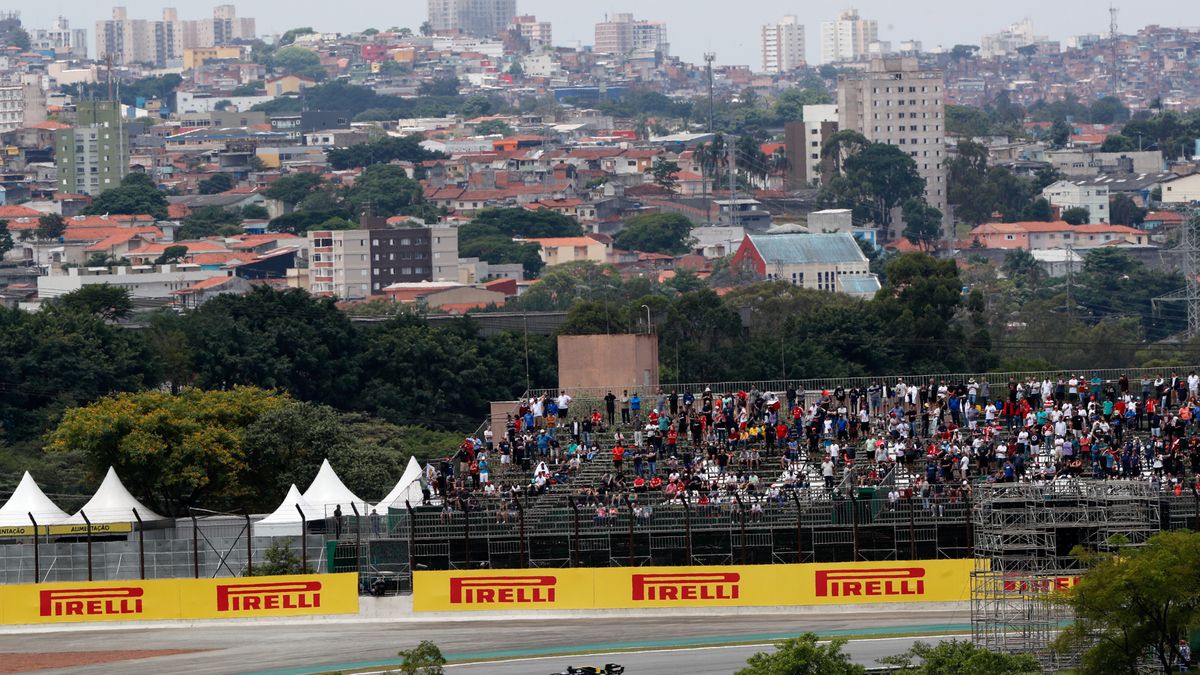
(730, 147)
(709, 57)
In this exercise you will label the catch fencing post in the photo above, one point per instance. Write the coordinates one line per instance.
(574, 539)
(141, 544)
(195, 544)
(37, 558)
(412, 541)
(687, 526)
(249, 547)
(357, 539)
(521, 516)
(629, 506)
(89, 542)
(303, 539)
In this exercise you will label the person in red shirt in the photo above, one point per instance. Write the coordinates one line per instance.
(672, 440)
(618, 455)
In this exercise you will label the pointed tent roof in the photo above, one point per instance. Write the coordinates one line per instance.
(112, 503)
(328, 491)
(286, 513)
(408, 487)
(26, 499)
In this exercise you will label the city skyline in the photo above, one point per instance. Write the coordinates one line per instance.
(693, 26)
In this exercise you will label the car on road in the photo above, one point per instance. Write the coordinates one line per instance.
(608, 669)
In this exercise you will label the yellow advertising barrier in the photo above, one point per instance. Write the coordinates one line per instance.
(60, 530)
(179, 599)
(733, 586)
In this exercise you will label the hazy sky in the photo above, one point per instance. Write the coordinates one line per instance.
(728, 27)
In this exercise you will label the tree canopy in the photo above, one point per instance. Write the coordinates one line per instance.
(136, 195)
(655, 233)
(804, 655)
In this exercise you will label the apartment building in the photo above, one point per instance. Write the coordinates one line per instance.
(60, 39)
(621, 35)
(356, 264)
(162, 42)
(783, 46)
(806, 139)
(483, 18)
(92, 156)
(848, 37)
(12, 107)
(894, 101)
(535, 33)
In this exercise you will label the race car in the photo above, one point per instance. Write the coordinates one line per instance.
(608, 669)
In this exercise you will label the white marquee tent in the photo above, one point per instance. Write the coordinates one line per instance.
(26, 499)
(408, 488)
(285, 520)
(112, 503)
(328, 492)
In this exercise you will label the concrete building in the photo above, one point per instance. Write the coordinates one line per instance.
(823, 262)
(783, 45)
(162, 42)
(483, 18)
(476, 271)
(1009, 40)
(535, 33)
(560, 250)
(12, 107)
(623, 362)
(1035, 236)
(894, 101)
(621, 35)
(355, 264)
(1066, 194)
(848, 37)
(1183, 190)
(142, 281)
(60, 39)
(92, 156)
(805, 139)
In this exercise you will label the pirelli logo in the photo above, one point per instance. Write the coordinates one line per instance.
(666, 587)
(896, 581)
(116, 602)
(259, 597)
(1040, 585)
(525, 590)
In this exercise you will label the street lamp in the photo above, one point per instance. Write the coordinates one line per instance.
(647, 308)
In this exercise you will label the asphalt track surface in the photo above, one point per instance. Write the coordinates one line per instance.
(294, 649)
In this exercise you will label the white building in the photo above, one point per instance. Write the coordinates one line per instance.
(483, 18)
(1009, 40)
(142, 281)
(848, 37)
(61, 38)
(894, 101)
(820, 122)
(783, 45)
(1183, 190)
(1067, 195)
(535, 33)
(162, 41)
(622, 35)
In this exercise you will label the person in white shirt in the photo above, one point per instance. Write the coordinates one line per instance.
(564, 402)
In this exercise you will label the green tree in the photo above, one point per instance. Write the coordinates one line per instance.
(137, 195)
(381, 151)
(1135, 603)
(1039, 210)
(51, 226)
(665, 174)
(922, 223)
(655, 233)
(789, 105)
(1060, 133)
(298, 61)
(255, 212)
(216, 184)
(1122, 210)
(109, 303)
(494, 128)
(176, 451)
(1118, 143)
(1077, 215)
(290, 35)
(424, 659)
(880, 178)
(967, 121)
(804, 655)
(526, 224)
(967, 184)
(384, 190)
(440, 86)
(1022, 267)
(293, 188)
(1108, 110)
(208, 221)
(171, 255)
(6, 240)
(476, 106)
(280, 560)
(954, 657)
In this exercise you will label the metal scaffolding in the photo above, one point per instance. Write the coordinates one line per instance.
(1024, 537)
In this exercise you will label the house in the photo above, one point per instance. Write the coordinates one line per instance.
(452, 297)
(288, 84)
(1066, 194)
(1184, 190)
(560, 250)
(1034, 236)
(202, 291)
(824, 262)
(142, 281)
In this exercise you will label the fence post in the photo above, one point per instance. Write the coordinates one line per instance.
(412, 541)
(37, 556)
(970, 527)
(687, 527)
(89, 542)
(629, 506)
(467, 532)
(141, 544)
(742, 521)
(521, 516)
(303, 539)
(575, 538)
(249, 547)
(357, 539)
(799, 528)
(912, 530)
(195, 544)
(854, 518)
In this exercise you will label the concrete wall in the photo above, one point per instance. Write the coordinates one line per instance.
(627, 361)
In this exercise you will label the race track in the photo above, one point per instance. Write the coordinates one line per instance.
(305, 648)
